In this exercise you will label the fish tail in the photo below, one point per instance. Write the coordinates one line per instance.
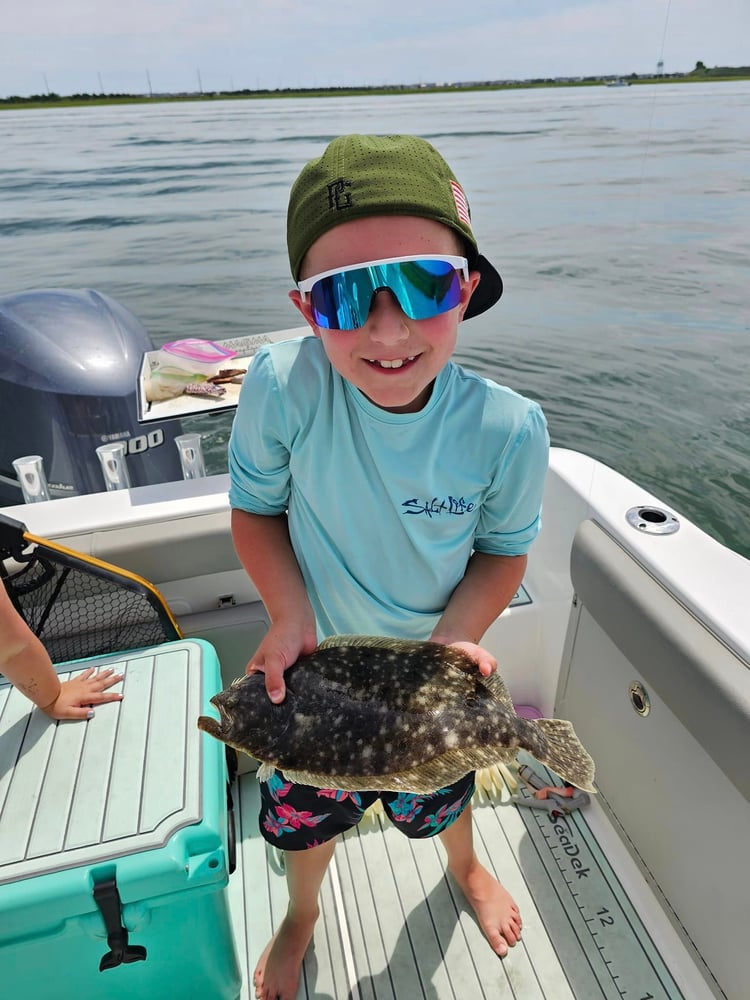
(565, 753)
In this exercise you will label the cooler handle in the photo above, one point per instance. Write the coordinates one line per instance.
(107, 898)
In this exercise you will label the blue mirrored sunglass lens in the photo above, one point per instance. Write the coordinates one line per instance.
(423, 288)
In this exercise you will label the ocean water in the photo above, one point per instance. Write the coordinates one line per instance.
(617, 217)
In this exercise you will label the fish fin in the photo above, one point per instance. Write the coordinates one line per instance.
(424, 779)
(496, 782)
(265, 771)
(412, 780)
(371, 641)
(498, 689)
(566, 755)
(347, 783)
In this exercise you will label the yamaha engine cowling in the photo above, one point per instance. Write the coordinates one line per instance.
(69, 362)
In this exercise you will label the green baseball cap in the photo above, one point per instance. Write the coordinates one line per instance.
(364, 175)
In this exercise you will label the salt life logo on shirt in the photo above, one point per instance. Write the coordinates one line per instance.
(437, 506)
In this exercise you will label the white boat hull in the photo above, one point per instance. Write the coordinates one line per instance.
(610, 605)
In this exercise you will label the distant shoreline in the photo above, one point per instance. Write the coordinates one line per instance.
(97, 100)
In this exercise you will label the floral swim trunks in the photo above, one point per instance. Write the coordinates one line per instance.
(295, 817)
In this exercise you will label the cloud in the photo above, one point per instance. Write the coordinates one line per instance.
(291, 43)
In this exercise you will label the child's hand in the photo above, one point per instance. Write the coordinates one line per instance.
(79, 694)
(282, 646)
(484, 660)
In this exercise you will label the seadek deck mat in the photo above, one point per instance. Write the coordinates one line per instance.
(606, 951)
(393, 924)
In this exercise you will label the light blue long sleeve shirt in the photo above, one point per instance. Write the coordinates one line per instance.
(385, 508)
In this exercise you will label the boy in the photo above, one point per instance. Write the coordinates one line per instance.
(377, 487)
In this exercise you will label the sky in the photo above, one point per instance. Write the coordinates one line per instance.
(133, 46)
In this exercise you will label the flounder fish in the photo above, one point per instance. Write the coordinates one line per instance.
(375, 713)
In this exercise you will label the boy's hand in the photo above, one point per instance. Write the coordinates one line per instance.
(483, 658)
(78, 695)
(282, 646)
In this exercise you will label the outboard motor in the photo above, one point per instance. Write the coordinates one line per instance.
(69, 362)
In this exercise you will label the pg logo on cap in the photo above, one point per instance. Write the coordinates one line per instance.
(339, 194)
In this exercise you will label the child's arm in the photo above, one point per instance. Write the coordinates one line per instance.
(26, 664)
(265, 550)
(487, 588)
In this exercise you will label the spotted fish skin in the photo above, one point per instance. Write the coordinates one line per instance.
(370, 712)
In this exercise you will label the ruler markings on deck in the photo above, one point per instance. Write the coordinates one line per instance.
(598, 907)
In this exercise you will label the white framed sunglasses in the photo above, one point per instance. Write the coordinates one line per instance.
(424, 285)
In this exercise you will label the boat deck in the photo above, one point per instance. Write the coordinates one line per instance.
(395, 925)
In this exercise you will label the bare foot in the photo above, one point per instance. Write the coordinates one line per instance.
(493, 905)
(277, 973)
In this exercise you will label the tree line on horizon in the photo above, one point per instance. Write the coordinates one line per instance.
(701, 71)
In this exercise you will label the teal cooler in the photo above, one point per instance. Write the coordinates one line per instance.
(114, 839)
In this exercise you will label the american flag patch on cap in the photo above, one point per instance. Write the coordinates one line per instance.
(462, 205)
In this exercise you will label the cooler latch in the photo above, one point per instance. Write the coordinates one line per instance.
(107, 898)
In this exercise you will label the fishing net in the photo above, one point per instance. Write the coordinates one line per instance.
(79, 606)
